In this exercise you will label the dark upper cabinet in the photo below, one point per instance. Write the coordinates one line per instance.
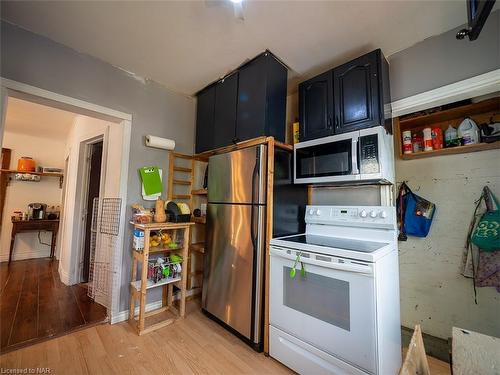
(261, 106)
(248, 103)
(356, 94)
(316, 107)
(349, 97)
(205, 119)
(226, 94)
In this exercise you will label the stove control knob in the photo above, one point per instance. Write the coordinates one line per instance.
(311, 212)
(318, 212)
(363, 213)
(373, 214)
(382, 214)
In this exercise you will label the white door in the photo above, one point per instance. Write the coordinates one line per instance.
(331, 308)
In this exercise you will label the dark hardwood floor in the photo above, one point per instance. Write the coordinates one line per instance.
(35, 305)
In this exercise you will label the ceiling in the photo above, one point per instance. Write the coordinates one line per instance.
(185, 45)
(37, 120)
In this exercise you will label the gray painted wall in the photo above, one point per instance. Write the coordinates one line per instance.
(41, 62)
(442, 59)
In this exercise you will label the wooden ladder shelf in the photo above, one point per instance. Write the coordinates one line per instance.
(181, 177)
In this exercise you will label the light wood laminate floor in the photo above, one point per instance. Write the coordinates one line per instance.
(193, 345)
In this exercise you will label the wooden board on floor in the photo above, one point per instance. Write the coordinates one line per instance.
(415, 362)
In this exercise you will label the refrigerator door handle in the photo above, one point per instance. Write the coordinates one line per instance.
(258, 244)
(256, 177)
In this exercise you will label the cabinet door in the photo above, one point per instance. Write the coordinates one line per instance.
(315, 107)
(356, 94)
(251, 121)
(205, 119)
(226, 92)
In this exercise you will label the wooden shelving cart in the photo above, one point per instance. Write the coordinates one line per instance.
(139, 288)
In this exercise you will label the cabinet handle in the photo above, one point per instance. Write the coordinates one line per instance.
(336, 121)
(329, 123)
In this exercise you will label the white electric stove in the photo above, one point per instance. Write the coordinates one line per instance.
(341, 314)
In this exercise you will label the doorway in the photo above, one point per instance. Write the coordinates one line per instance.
(116, 184)
(94, 167)
(36, 304)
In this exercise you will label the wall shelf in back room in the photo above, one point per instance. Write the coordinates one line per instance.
(41, 174)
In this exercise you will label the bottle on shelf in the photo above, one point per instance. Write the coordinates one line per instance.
(468, 132)
(407, 147)
(451, 137)
(427, 139)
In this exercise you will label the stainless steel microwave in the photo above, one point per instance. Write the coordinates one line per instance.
(363, 156)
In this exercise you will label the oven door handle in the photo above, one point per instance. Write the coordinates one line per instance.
(348, 267)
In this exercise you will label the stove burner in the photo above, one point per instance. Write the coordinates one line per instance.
(336, 242)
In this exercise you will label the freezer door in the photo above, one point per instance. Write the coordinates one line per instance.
(233, 276)
(238, 176)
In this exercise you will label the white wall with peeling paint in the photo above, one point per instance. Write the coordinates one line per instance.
(433, 292)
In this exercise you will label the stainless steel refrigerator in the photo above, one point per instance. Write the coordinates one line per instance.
(235, 236)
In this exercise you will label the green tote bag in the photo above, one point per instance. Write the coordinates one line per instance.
(486, 235)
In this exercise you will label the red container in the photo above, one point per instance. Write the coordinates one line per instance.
(437, 138)
(417, 142)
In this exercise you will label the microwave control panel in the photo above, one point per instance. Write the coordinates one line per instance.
(368, 149)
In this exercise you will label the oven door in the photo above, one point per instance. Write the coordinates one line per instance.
(328, 159)
(331, 308)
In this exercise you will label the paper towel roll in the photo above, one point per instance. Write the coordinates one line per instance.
(158, 142)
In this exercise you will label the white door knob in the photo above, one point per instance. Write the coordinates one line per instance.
(363, 213)
(383, 214)
(373, 214)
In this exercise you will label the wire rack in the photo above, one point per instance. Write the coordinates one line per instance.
(103, 264)
(93, 243)
(110, 216)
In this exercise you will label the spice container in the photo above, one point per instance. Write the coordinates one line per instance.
(295, 132)
(417, 142)
(437, 138)
(427, 139)
(407, 147)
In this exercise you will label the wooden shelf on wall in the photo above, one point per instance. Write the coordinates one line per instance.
(480, 112)
(35, 173)
(472, 109)
(452, 150)
(41, 174)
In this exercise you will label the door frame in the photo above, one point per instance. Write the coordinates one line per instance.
(21, 90)
(86, 145)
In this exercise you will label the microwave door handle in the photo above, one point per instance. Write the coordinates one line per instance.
(355, 157)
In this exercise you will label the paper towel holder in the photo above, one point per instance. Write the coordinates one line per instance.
(159, 142)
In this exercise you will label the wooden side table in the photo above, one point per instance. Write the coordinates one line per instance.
(34, 226)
